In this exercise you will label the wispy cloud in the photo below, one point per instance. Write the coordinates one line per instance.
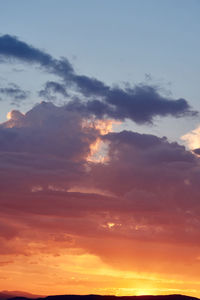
(13, 93)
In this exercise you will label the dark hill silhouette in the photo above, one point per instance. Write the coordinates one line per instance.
(100, 297)
(4, 295)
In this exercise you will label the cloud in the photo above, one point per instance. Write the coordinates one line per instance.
(11, 49)
(197, 151)
(14, 92)
(146, 192)
(140, 103)
(52, 87)
(141, 160)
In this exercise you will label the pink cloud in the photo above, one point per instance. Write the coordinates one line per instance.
(143, 201)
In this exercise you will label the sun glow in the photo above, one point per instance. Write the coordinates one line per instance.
(192, 138)
(105, 126)
(9, 115)
(99, 149)
(82, 273)
(144, 291)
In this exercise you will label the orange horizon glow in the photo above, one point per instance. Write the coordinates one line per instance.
(86, 274)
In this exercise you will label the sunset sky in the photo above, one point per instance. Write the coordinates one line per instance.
(100, 146)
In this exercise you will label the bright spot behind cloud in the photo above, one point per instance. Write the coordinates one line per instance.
(99, 149)
(192, 138)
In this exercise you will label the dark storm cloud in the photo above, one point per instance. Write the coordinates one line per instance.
(140, 103)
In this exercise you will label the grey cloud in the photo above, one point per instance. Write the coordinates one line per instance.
(52, 87)
(14, 93)
(140, 103)
(197, 151)
(47, 129)
(12, 48)
(145, 162)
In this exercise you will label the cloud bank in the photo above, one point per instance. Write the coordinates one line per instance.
(140, 103)
(145, 194)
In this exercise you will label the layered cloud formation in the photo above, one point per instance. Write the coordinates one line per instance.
(136, 212)
(140, 103)
(143, 201)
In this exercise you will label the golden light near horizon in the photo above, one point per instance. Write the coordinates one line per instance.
(86, 274)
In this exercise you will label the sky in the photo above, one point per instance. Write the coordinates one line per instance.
(99, 147)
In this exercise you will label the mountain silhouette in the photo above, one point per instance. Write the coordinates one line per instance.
(4, 295)
(23, 296)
